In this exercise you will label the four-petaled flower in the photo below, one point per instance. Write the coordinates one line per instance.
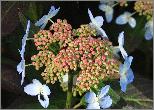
(125, 18)
(21, 65)
(97, 23)
(36, 88)
(108, 11)
(44, 20)
(126, 73)
(149, 30)
(100, 101)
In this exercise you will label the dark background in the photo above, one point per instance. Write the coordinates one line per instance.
(76, 14)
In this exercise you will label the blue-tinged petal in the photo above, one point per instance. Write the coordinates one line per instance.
(43, 26)
(130, 76)
(101, 32)
(28, 27)
(90, 97)
(123, 83)
(105, 102)
(52, 12)
(102, 7)
(45, 102)
(109, 15)
(51, 9)
(23, 76)
(122, 19)
(103, 91)
(93, 106)
(99, 20)
(107, 2)
(123, 52)
(121, 39)
(90, 15)
(45, 90)
(41, 21)
(32, 89)
(148, 35)
(20, 66)
(132, 22)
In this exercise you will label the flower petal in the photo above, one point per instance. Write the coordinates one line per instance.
(105, 102)
(41, 21)
(20, 66)
(90, 15)
(45, 23)
(23, 75)
(65, 78)
(130, 76)
(109, 15)
(123, 83)
(90, 97)
(102, 7)
(99, 20)
(46, 90)
(45, 102)
(132, 22)
(32, 89)
(53, 12)
(122, 19)
(101, 32)
(121, 39)
(93, 106)
(148, 35)
(103, 91)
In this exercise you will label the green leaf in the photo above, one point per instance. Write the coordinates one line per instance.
(32, 11)
(33, 29)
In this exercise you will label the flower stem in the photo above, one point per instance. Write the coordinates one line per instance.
(51, 21)
(133, 13)
(69, 91)
(77, 105)
(28, 65)
(115, 4)
(30, 38)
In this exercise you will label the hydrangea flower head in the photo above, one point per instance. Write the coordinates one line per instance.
(44, 20)
(108, 11)
(98, 101)
(126, 73)
(97, 23)
(149, 30)
(126, 18)
(21, 65)
(36, 88)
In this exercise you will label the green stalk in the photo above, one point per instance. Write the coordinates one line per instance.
(69, 92)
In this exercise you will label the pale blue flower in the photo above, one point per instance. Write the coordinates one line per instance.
(149, 30)
(126, 73)
(44, 20)
(125, 18)
(102, 100)
(120, 47)
(108, 11)
(97, 23)
(21, 65)
(36, 89)
(107, 2)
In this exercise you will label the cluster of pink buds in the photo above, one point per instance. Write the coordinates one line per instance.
(93, 56)
(42, 58)
(84, 31)
(62, 32)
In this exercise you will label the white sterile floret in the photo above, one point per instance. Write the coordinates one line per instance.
(36, 88)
